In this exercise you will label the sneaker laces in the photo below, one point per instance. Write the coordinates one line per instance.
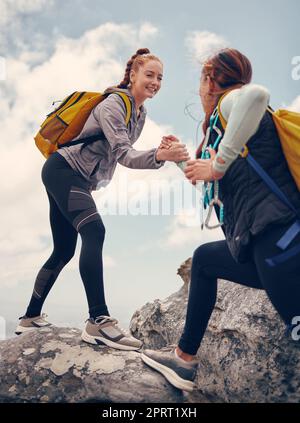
(169, 348)
(42, 317)
(113, 321)
(105, 319)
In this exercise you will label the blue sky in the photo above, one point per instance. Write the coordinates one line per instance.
(51, 47)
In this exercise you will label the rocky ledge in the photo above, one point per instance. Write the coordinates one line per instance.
(55, 365)
(245, 356)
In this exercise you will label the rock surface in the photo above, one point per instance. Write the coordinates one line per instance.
(245, 355)
(54, 365)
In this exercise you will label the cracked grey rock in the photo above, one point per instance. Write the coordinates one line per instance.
(245, 355)
(62, 368)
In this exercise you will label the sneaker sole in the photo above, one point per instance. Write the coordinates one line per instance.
(23, 329)
(93, 340)
(169, 374)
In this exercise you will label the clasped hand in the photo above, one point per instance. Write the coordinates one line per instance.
(172, 151)
(196, 170)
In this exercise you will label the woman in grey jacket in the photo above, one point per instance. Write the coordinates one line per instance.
(69, 176)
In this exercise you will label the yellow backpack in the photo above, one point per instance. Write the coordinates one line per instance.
(288, 127)
(67, 121)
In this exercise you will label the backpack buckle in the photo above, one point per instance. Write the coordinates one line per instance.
(244, 153)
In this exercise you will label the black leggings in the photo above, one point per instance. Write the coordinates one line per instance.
(214, 260)
(72, 210)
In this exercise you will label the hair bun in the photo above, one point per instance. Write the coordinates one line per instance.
(142, 51)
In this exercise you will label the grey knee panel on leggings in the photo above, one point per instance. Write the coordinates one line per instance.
(80, 199)
(44, 278)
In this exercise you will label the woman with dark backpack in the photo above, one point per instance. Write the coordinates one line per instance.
(69, 176)
(254, 218)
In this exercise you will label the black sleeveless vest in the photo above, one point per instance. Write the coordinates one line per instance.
(249, 204)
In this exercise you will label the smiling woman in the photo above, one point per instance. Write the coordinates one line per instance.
(69, 176)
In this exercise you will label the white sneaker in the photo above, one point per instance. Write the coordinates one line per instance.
(104, 330)
(31, 323)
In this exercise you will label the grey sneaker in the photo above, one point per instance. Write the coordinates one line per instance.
(179, 373)
(31, 323)
(104, 330)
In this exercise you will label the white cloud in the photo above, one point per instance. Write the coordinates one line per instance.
(295, 105)
(146, 31)
(203, 44)
(185, 229)
(11, 8)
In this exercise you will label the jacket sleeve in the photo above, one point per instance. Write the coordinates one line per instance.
(111, 115)
(243, 110)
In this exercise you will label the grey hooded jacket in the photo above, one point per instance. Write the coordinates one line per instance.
(96, 162)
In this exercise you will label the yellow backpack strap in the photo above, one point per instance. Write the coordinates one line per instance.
(221, 117)
(223, 121)
(127, 104)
